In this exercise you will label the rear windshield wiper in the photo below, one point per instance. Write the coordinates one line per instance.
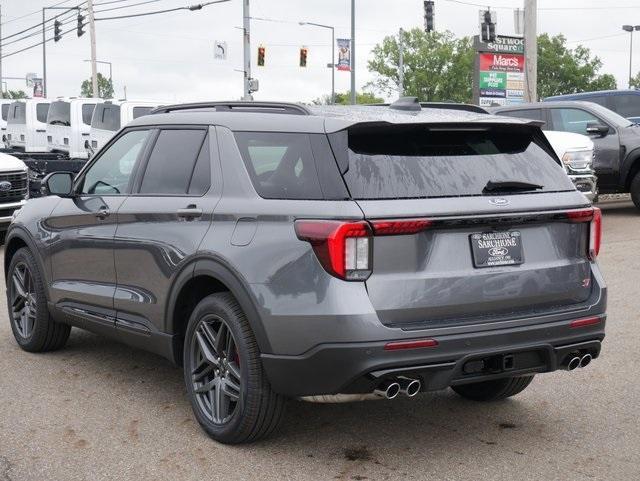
(510, 186)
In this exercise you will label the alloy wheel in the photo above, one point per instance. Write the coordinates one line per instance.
(23, 300)
(215, 369)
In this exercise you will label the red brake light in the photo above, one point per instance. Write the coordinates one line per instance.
(343, 248)
(593, 215)
(415, 344)
(400, 227)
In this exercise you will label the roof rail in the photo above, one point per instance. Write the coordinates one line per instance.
(237, 106)
(409, 103)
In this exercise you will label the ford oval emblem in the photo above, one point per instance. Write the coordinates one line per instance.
(499, 201)
(498, 251)
(5, 186)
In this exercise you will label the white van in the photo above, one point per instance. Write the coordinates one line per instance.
(111, 115)
(4, 114)
(27, 125)
(69, 124)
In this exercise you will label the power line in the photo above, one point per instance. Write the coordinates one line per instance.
(199, 6)
(37, 44)
(36, 12)
(39, 24)
(126, 6)
(63, 21)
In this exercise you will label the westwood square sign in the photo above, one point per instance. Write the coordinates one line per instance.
(499, 71)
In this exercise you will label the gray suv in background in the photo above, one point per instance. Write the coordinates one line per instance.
(278, 251)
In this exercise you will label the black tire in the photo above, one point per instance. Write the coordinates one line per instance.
(493, 390)
(634, 190)
(42, 333)
(257, 410)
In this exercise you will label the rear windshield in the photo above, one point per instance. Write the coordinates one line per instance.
(106, 117)
(87, 113)
(400, 162)
(17, 113)
(59, 113)
(140, 111)
(5, 111)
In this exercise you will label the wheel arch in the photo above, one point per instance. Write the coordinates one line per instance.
(205, 276)
(16, 239)
(630, 168)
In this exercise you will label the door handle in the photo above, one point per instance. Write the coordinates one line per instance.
(190, 213)
(103, 213)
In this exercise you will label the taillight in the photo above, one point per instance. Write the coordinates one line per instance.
(343, 248)
(400, 226)
(593, 215)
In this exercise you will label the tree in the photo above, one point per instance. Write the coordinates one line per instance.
(562, 70)
(344, 98)
(437, 66)
(635, 82)
(105, 88)
(15, 94)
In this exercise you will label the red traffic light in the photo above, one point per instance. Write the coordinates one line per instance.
(303, 57)
(261, 52)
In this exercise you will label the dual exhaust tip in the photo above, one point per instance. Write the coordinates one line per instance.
(576, 361)
(391, 388)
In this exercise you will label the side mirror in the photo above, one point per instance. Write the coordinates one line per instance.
(594, 128)
(58, 183)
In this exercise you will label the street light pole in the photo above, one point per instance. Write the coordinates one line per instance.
(333, 56)
(353, 52)
(630, 29)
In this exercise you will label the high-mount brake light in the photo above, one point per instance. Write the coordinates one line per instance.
(400, 226)
(593, 215)
(343, 248)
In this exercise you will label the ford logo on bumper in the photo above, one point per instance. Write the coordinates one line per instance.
(5, 186)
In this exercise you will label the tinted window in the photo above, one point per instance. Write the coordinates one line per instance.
(627, 105)
(106, 117)
(140, 111)
(87, 113)
(5, 111)
(281, 165)
(572, 120)
(172, 161)
(17, 113)
(416, 162)
(599, 99)
(59, 113)
(42, 111)
(111, 172)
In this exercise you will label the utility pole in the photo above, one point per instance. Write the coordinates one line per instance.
(1, 90)
(44, 56)
(400, 65)
(92, 33)
(246, 26)
(531, 50)
(353, 52)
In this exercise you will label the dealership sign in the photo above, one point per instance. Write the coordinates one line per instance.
(499, 72)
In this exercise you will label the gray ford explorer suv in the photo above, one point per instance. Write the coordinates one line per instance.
(278, 251)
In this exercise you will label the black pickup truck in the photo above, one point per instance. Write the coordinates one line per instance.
(616, 139)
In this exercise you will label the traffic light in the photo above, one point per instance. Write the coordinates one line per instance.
(428, 16)
(261, 51)
(488, 27)
(303, 57)
(57, 31)
(80, 25)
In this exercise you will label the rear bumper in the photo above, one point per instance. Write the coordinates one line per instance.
(361, 367)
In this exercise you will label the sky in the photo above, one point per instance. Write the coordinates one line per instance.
(170, 57)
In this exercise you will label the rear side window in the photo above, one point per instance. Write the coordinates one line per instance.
(627, 105)
(87, 113)
(403, 162)
(42, 111)
(172, 162)
(5, 111)
(532, 114)
(106, 117)
(17, 113)
(281, 165)
(59, 113)
(140, 111)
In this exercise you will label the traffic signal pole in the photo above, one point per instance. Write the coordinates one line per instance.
(246, 26)
(353, 52)
(44, 55)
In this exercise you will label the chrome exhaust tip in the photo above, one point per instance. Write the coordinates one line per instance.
(409, 387)
(388, 389)
(573, 363)
(586, 360)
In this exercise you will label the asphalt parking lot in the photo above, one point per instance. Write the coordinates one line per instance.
(100, 410)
